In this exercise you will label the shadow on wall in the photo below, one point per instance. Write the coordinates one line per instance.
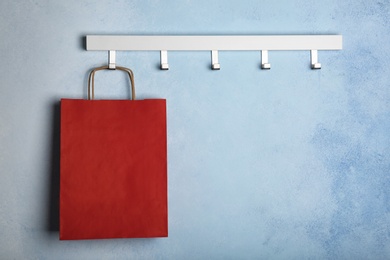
(53, 222)
(83, 42)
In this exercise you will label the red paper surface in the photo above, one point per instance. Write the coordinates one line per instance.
(113, 169)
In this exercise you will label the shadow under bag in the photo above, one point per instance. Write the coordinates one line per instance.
(113, 167)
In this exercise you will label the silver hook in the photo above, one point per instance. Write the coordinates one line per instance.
(111, 60)
(264, 60)
(164, 60)
(214, 61)
(314, 60)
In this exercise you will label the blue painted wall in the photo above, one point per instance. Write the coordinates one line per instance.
(282, 164)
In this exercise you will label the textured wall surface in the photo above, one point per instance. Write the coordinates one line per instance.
(282, 164)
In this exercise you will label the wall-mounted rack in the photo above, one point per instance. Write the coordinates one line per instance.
(263, 43)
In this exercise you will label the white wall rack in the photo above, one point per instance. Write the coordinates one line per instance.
(263, 43)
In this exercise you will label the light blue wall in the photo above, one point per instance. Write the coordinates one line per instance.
(282, 164)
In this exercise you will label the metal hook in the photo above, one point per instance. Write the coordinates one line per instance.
(314, 59)
(264, 60)
(214, 61)
(164, 60)
(111, 60)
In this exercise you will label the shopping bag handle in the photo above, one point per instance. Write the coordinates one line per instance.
(91, 81)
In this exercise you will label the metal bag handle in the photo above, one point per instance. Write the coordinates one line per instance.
(91, 79)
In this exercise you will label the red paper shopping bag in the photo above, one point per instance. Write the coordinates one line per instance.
(113, 168)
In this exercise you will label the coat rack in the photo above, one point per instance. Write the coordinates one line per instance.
(263, 43)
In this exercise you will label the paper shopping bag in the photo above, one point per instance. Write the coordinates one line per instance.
(113, 169)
